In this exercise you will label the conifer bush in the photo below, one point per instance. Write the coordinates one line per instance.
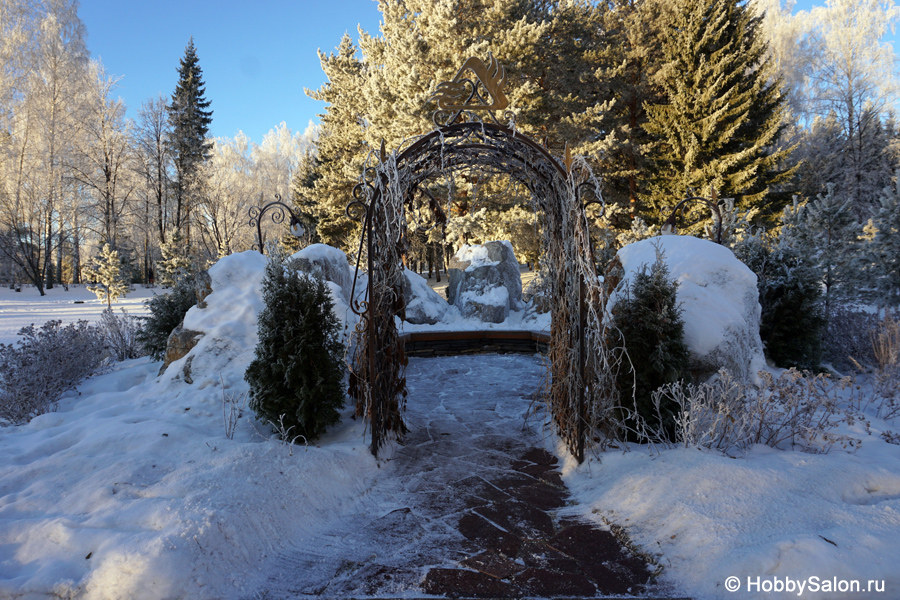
(166, 313)
(790, 294)
(647, 322)
(296, 378)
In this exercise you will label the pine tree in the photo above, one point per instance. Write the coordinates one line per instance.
(648, 319)
(189, 118)
(341, 150)
(176, 265)
(107, 272)
(881, 253)
(723, 111)
(296, 377)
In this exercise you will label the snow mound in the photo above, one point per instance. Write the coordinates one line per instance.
(133, 490)
(719, 301)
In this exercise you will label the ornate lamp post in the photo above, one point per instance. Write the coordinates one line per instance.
(278, 215)
(671, 227)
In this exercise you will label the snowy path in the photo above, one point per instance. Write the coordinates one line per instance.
(435, 506)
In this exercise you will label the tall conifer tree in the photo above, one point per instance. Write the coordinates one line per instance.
(190, 118)
(724, 109)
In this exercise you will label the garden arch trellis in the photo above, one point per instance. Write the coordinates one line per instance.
(581, 388)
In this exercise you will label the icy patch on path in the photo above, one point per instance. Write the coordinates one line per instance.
(459, 409)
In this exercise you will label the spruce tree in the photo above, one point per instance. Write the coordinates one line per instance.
(723, 111)
(880, 254)
(189, 118)
(824, 231)
(296, 378)
(790, 295)
(647, 321)
(107, 272)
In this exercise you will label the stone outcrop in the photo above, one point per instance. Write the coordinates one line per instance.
(329, 263)
(485, 282)
(180, 342)
(423, 304)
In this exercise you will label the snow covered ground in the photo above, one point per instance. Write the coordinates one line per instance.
(132, 490)
(20, 309)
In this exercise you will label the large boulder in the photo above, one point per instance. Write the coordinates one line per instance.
(718, 297)
(423, 304)
(179, 343)
(329, 263)
(485, 282)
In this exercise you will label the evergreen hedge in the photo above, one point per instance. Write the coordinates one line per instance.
(166, 313)
(296, 378)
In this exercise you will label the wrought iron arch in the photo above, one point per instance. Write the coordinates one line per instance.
(581, 389)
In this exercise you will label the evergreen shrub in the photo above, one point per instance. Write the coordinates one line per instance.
(647, 322)
(166, 313)
(296, 378)
(790, 294)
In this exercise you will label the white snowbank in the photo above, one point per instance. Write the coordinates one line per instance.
(718, 297)
(132, 490)
(775, 514)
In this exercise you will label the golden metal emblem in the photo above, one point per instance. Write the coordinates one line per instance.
(456, 94)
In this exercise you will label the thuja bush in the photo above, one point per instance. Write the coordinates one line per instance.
(296, 378)
(647, 323)
(790, 295)
(43, 364)
(166, 313)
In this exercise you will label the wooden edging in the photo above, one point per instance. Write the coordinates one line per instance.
(448, 343)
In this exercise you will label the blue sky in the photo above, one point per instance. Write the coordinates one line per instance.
(256, 56)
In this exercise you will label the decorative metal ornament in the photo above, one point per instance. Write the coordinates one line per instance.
(278, 215)
(670, 226)
(462, 94)
(582, 390)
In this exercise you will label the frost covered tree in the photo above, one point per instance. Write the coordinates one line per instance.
(106, 271)
(723, 111)
(340, 146)
(176, 264)
(825, 232)
(880, 255)
(296, 378)
(189, 118)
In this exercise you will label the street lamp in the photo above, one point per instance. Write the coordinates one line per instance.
(278, 215)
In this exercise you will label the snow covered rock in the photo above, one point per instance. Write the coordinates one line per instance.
(329, 262)
(485, 282)
(180, 342)
(423, 304)
(719, 301)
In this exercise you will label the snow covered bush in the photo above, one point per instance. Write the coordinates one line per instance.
(647, 323)
(797, 410)
(886, 347)
(846, 338)
(296, 378)
(166, 313)
(790, 295)
(120, 334)
(42, 365)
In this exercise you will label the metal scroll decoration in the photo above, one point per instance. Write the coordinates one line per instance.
(278, 209)
(581, 393)
(671, 226)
